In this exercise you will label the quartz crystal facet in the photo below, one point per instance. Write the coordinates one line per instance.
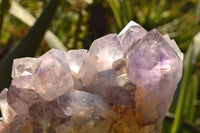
(152, 67)
(133, 34)
(124, 83)
(101, 55)
(52, 75)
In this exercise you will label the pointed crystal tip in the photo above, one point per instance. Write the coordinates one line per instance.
(131, 23)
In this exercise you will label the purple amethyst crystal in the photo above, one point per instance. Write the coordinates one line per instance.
(124, 83)
(133, 33)
(152, 67)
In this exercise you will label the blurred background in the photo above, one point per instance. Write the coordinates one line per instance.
(76, 23)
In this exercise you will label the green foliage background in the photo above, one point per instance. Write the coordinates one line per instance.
(78, 22)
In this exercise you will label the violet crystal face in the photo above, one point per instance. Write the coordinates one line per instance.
(123, 84)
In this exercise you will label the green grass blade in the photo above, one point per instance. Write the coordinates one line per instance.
(186, 78)
(22, 14)
(189, 126)
(115, 6)
(190, 59)
(126, 11)
(191, 98)
(189, 109)
(123, 9)
(194, 97)
(29, 44)
(129, 9)
(188, 100)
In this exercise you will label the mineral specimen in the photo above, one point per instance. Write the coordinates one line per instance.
(123, 84)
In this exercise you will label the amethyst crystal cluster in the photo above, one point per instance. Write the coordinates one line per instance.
(123, 84)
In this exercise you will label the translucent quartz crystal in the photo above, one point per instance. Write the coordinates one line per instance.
(152, 67)
(7, 112)
(23, 67)
(124, 84)
(174, 46)
(52, 75)
(21, 99)
(75, 59)
(134, 33)
(83, 104)
(115, 91)
(55, 107)
(22, 72)
(102, 53)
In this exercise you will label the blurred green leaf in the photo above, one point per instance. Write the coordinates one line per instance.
(29, 44)
(128, 4)
(22, 14)
(186, 78)
(193, 97)
(189, 61)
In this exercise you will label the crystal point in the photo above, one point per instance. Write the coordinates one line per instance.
(75, 59)
(131, 35)
(22, 72)
(101, 55)
(156, 70)
(52, 75)
(174, 46)
(22, 67)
